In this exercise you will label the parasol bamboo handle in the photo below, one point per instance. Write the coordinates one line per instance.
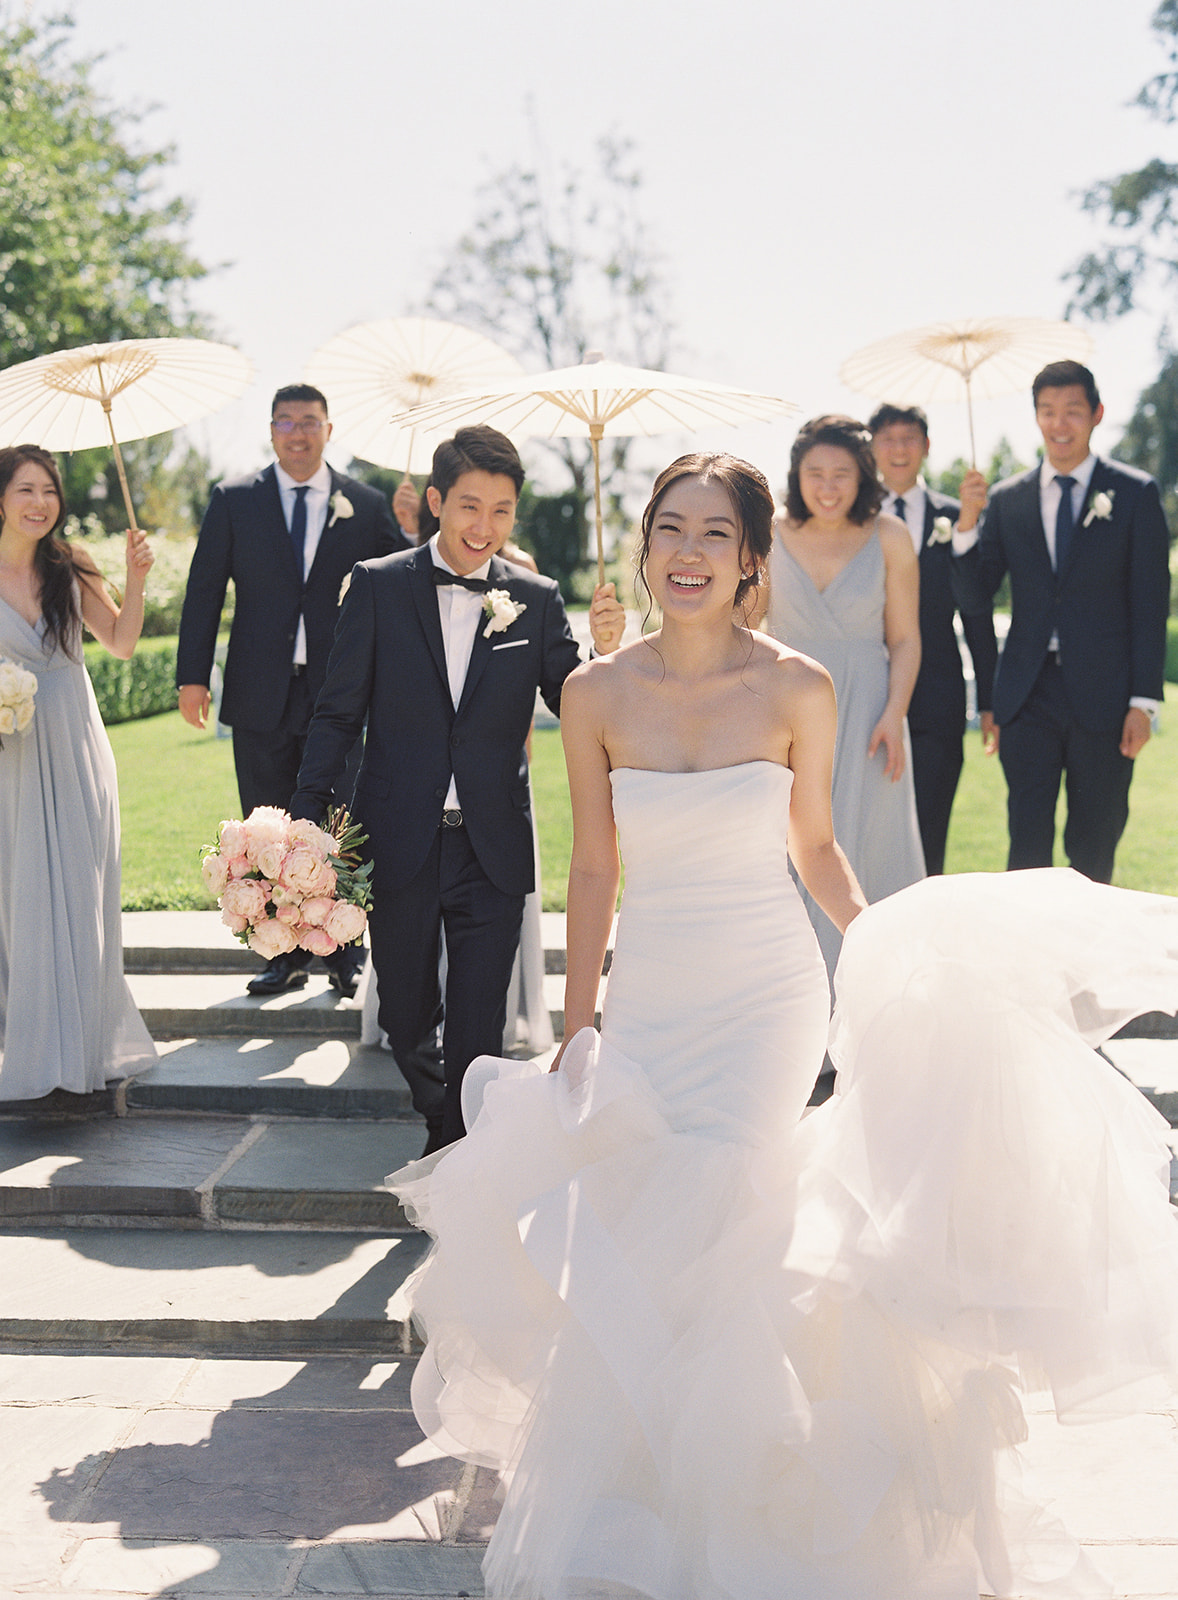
(595, 432)
(122, 471)
(973, 449)
(110, 422)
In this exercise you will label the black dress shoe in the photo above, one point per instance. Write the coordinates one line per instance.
(278, 975)
(344, 976)
(344, 969)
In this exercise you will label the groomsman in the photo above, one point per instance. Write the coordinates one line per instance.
(287, 536)
(1084, 541)
(442, 650)
(936, 713)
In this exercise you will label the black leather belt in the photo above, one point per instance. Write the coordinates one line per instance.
(452, 817)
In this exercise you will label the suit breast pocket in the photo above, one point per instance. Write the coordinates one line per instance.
(511, 644)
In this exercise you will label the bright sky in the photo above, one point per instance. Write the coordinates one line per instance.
(816, 176)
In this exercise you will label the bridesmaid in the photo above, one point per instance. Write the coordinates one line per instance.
(67, 1020)
(843, 588)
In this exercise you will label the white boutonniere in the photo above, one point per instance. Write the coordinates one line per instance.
(942, 531)
(501, 611)
(341, 507)
(1101, 507)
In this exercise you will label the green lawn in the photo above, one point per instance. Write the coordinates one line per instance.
(177, 784)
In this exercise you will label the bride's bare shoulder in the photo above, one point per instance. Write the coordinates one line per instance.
(785, 663)
(604, 676)
(791, 676)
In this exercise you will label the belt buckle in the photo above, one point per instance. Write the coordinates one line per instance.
(452, 817)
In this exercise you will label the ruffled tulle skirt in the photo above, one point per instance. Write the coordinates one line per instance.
(715, 1369)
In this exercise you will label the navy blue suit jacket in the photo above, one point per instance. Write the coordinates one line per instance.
(389, 665)
(1108, 607)
(244, 537)
(939, 700)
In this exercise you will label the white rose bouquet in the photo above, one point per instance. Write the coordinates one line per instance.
(18, 689)
(284, 884)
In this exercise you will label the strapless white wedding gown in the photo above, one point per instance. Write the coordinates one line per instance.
(720, 1350)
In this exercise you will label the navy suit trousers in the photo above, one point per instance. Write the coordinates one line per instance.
(482, 926)
(1043, 743)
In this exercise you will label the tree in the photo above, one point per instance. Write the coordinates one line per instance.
(88, 252)
(1150, 440)
(553, 275)
(1003, 464)
(1140, 207)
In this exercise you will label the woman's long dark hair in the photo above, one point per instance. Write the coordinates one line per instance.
(53, 561)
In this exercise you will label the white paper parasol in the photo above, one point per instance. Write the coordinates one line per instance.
(374, 371)
(113, 393)
(598, 399)
(975, 357)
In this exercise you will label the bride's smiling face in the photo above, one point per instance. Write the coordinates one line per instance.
(696, 555)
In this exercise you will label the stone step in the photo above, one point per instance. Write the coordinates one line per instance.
(183, 1004)
(198, 941)
(186, 1171)
(240, 1293)
(179, 1005)
(291, 1075)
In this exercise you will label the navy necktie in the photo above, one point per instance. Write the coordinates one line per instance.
(1065, 523)
(898, 508)
(298, 524)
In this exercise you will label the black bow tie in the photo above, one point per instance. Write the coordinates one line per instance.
(475, 585)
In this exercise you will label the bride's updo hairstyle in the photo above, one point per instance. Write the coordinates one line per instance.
(751, 497)
(52, 562)
(845, 434)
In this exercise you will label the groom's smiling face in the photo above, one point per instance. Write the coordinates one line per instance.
(475, 519)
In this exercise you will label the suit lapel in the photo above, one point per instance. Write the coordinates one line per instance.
(337, 484)
(425, 597)
(1101, 476)
(498, 577)
(1080, 532)
(930, 516)
(1032, 514)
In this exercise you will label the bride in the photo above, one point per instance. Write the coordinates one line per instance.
(720, 1349)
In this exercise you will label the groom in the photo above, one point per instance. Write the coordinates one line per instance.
(442, 650)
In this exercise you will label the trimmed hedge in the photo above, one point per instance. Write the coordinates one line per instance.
(141, 687)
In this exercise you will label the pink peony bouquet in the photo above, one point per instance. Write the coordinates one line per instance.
(283, 883)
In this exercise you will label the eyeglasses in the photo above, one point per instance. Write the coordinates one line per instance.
(303, 425)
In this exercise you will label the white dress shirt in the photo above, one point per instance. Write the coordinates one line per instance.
(318, 493)
(459, 611)
(915, 501)
(1050, 493)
